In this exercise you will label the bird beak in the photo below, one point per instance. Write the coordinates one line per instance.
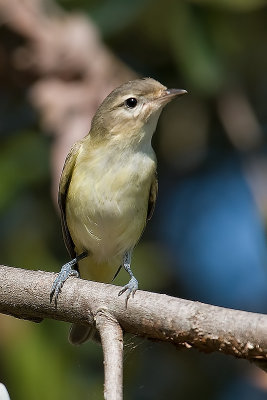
(169, 94)
(174, 92)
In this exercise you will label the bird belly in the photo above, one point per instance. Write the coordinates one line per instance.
(106, 210)
(105, 227)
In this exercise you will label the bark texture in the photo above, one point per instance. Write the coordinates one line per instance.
(25, 294)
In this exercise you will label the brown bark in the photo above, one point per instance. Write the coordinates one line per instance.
(112, 342)
(25, 294)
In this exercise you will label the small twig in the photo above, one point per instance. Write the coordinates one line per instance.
(112, 342)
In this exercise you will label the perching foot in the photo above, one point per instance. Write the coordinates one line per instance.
(65, 272)
(132, 286)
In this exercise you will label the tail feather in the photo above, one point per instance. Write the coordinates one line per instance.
(103, 272)
(81, 333)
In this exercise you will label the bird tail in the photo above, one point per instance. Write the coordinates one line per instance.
(81, 333)
(103, 272)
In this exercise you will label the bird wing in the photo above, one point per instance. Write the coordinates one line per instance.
(152, 197)
(63, 192)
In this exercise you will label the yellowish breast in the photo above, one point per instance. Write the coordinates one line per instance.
(107, 202)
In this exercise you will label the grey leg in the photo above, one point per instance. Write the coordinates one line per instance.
(66, 271)
(132, 286)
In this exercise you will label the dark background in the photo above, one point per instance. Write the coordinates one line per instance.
(206, 241)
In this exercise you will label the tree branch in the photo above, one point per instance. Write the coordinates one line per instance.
(112, 342)
(25, 294)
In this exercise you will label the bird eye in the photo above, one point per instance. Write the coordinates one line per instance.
(131, 102)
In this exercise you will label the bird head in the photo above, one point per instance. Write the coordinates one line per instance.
(131, 111)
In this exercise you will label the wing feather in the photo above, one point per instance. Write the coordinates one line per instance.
(152, 197)
(63, 192)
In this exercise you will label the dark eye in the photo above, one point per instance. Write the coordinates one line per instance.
(131, 102)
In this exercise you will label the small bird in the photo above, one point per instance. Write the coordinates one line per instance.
(108, 187)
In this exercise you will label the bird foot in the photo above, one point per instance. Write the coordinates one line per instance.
(65, 272)
(130, 288)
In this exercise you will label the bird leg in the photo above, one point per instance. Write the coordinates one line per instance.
(66, 271)
(117, 273)
(132, 286)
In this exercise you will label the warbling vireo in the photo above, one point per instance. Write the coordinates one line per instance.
(108, 186)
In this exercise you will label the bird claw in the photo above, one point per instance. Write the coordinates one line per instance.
(65, 272)
(130, 288)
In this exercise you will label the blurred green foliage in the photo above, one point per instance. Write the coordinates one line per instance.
(26, 156)
(209, 43)
(206, 46)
